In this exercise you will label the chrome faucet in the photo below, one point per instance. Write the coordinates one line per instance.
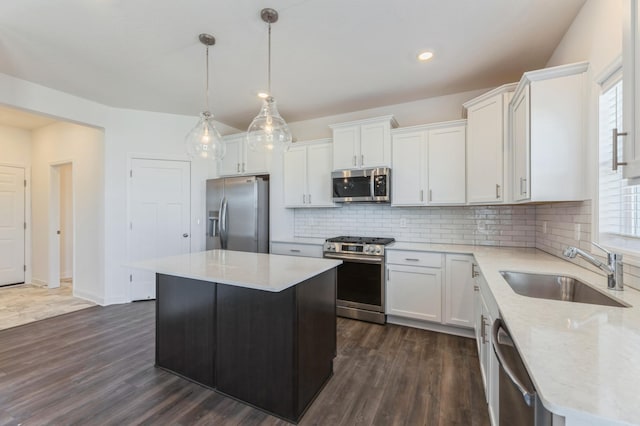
(613, 267)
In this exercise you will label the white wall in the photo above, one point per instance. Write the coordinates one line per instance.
(15, 146)
(84, 147)
(66, 222)
(431, 110)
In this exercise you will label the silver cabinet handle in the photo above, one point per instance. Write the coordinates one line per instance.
(500, 336)
(185, 235)
(497, 191)
(523, 186)
(294, 250)
(430, 195)
(309, 198)
(243, 168)
(303, 199)
(476, 288)
(614, 140)
(362, 159)
(474, 273)
(422, 195)
(354, 160)
(238, 167)
(411, 259)
(483, 333)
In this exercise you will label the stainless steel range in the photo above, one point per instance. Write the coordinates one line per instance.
(361, 277)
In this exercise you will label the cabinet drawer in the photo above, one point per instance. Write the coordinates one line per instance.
(292, 249)
(414, 258)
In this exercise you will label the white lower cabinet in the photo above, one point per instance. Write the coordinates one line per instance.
(296, 249)
(431, 287)
(459, 294)
(414, 292)
(486, 313)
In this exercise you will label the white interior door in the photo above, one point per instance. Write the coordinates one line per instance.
(159, 225)
(54, 228)
(11, 225)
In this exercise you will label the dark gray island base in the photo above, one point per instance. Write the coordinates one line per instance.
(271, 350)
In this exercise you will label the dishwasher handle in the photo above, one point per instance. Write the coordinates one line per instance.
(501, 336)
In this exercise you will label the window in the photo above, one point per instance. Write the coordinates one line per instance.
(619, 201)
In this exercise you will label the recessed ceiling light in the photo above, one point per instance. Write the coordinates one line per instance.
(263, 95)
(425, 56)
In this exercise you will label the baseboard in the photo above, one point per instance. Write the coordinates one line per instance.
(38, 282)
(425, 325)
(88, 296)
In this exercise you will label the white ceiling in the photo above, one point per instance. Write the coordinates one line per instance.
(329, 56)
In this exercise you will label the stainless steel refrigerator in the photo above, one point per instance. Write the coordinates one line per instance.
(238, 214)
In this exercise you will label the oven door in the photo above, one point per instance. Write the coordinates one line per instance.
(360, 282)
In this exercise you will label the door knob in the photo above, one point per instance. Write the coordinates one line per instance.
(185, 235)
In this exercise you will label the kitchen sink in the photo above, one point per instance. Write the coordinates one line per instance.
(557, 287)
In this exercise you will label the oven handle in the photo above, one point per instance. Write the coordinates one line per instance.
(373, 260)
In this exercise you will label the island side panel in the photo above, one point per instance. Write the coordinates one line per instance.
(255, 358)
(185, 327)
(316, 334)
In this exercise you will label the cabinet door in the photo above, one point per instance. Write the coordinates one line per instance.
(375, 145)
(346, 147)
(232, 162)
(408, 180)
(459, 285)
(631, 89)
(255, 161)
(446, 165)
(295, 185)
(485, 157)
(414, 292)
(319, 160)
(520, 140)
(484, 344)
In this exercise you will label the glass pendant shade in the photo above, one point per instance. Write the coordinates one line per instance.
(204, 141)
(268, 131)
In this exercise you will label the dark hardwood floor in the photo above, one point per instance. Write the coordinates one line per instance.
(95, 367)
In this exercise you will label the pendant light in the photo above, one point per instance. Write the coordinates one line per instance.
(204, 140)
(268, 130)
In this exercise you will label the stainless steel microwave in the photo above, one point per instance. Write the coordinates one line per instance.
(364, 185)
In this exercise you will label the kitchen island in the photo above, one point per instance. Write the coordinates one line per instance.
(257, 327)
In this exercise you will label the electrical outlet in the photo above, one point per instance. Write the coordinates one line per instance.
(544, 227)
(576, 231)
(403, 222)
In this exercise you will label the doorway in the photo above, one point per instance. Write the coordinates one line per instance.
(61, 225)
(12, 225)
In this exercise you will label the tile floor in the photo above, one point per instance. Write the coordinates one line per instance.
(25, 303)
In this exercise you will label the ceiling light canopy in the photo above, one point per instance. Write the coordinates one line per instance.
(425, 56)
(268, 130)
(204, 141)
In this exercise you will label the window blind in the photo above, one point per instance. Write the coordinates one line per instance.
(619, 202)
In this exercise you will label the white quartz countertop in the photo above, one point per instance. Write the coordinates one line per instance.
(583, 359)
(269, 272)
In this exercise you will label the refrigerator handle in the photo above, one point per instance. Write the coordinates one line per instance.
(223, 224)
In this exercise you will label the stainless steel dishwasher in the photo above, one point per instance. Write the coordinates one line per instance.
(519, 403)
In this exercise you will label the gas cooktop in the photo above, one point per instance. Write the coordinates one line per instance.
(361, 240)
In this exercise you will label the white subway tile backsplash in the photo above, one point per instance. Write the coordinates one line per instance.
(508, 226)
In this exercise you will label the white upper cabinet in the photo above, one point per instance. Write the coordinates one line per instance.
(429, 165)
(307, 175)
(446, 164)
(487, 162)
(631, 90)
(240, 160)
(547, 134)
(363, 144)
(408, 180)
